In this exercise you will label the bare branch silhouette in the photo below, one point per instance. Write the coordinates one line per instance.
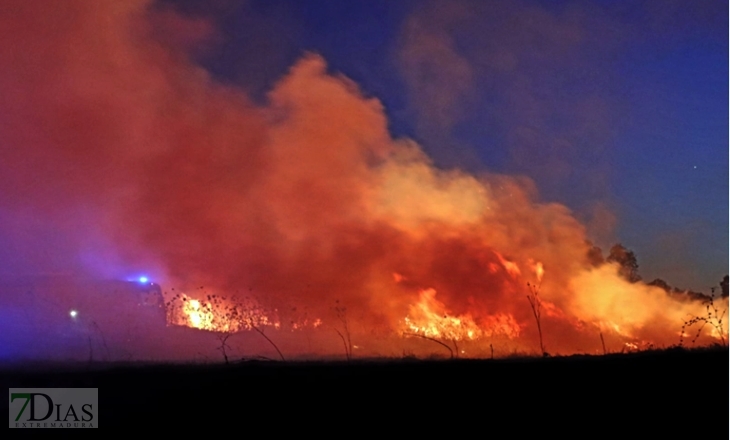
(451, 352)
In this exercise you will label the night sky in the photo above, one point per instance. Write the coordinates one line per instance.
(617, 109)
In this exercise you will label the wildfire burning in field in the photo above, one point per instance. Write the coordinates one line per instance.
(224, 315)
(206, 317)
(429, 318)
(306, 203)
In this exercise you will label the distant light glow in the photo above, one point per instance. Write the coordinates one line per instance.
(143, 279)
(73, 313)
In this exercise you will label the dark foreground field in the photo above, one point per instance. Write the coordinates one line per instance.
(671, 391)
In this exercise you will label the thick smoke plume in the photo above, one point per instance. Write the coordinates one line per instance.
(117, 153)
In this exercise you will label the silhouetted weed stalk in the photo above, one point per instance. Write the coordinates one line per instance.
(451, 352)
(341, 312)
(225, 318)
(224, 347)
(536, 304)
(713, 317)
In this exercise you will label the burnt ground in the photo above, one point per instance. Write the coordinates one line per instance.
(671, 391)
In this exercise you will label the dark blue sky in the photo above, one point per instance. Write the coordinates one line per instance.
(618, 109)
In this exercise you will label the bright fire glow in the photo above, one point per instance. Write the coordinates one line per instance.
(429, 317)
(510, 266)
(223, 315)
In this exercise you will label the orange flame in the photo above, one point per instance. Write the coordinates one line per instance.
(429, 317)
(220, 315)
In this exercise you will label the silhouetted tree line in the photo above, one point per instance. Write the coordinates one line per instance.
(618, 254)
(629, 270)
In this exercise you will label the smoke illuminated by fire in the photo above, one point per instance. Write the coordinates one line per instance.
(302, 202)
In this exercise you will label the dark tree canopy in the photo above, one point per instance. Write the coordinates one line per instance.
(724, 286)
(661, 283)
(627, 260)
(595, 255)
(678, 293)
